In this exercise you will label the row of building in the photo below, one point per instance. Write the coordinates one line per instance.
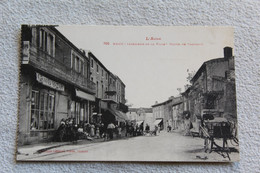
(212, 91)
(60, 81)
(141, 116)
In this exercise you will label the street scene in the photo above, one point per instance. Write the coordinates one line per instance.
(113, 98)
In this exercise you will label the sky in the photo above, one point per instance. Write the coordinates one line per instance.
(152, 61)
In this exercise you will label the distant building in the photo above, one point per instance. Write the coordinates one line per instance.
(162, 113)
(177, 113)
(141, 115)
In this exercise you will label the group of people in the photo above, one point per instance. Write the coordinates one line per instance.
(101, 130)
(69, 130)
(133, 129)
(154, 132)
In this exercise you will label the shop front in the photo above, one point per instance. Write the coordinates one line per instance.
(39, 97)
(159, 122)
(80, 106)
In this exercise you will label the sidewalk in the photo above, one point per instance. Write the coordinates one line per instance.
(38, 148)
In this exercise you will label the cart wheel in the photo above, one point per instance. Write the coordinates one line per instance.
(207, 145)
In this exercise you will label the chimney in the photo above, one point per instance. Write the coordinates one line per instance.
(227, 52)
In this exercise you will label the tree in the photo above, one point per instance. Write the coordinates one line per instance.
(190, 75)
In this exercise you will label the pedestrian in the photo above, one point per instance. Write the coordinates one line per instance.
(134, 130)
(119, 131)
(141, 129)
(126, 129)
(92, 130)
(110, 129)
(102, 130)
(137, 130)
(116, 130)
(97, 133)
(147, 128)
(155, 130)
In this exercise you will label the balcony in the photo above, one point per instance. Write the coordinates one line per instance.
(42, 61)
(111, 90)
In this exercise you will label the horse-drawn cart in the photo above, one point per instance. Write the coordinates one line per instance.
(217, 128)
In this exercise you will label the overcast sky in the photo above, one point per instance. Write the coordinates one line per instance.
(151, 72)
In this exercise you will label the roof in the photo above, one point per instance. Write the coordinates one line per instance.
(99, 62)
(119, 80)
(162, 103)
(52, 27)
(58, 33)
(146, 110)
(203, 67)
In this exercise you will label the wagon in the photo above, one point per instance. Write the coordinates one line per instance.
(217, 128)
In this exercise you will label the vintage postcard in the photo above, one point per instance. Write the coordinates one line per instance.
(127, 93)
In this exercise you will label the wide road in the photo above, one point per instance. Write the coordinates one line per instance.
(164, 147)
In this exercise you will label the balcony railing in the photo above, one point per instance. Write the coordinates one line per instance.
(47, 63)
(112, 87)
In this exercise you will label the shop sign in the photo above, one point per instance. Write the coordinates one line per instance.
(48, 82)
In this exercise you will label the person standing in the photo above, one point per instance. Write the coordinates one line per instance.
(102, 130)
(155, 130)
(92, 130)
(110, 129)
(97, 132)
(147, 128)
(119, 131)
(126, 129)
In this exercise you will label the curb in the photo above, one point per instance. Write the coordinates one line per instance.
(51, 147)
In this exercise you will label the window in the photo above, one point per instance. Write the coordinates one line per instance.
(97, 68)
(97, 89)
(47, 42)
(106, 76)
(77, 111)
(42, 110)
(102, 91)
(91, 79)
(102, 72)
(77, 63)
(92, 63)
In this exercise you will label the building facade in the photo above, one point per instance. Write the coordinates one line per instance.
(177, 113)
(54, 83)
(141, 116)
(110, 94)
(162, 113)
(213, 88)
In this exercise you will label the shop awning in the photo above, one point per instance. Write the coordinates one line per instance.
(84, 95)
(139, 123)
(157, 121)
(120, 116)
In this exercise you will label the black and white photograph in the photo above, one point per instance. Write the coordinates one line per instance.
(127, 94)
